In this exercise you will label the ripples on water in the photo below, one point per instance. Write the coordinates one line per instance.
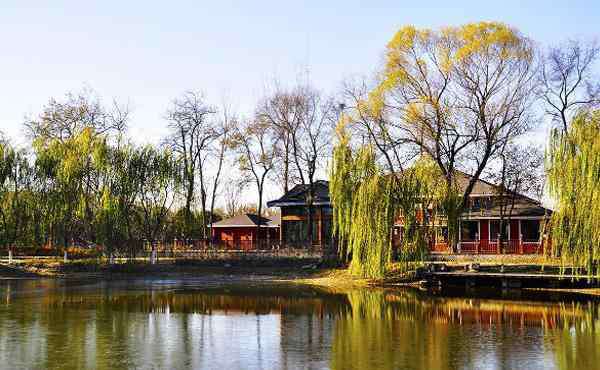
(183, 324)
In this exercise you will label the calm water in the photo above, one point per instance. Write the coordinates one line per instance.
(184, 324)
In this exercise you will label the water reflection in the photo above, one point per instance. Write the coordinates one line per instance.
(183, 324)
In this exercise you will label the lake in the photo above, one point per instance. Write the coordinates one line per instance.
(192, 324)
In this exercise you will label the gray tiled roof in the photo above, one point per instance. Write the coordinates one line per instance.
(524, 206)
(247, 220)
(481, 187)
(299, 192)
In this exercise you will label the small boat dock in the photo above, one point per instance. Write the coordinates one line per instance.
(506, 276)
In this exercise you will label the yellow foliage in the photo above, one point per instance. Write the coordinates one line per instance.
(403, 39)
(414, 55)
(362, 106)
(340, 128)
(413, 113)
(376, 102)
(445, 58)
(483, 37)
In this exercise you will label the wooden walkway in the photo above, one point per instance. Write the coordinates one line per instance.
(509, 279)
(507, 275)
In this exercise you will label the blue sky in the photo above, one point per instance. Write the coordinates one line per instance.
(148, 52)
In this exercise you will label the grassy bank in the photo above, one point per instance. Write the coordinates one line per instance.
(298, 272)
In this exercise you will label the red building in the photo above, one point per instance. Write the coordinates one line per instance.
(523, 221)
(295, 216)
(243, 232)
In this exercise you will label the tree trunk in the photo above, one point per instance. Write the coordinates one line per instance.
(310, 212)
(214, 191)
(188, 205)
(259, 209)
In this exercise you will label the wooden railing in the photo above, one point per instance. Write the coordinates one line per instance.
(512, 246)
(179, 248)
(223, 250)
(227, 245)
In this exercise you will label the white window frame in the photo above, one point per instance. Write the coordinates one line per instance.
(478, 231)
(507, 229)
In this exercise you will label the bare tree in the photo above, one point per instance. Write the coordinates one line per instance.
(223, 145)
(282, 111)
(311, 144)
(233, 192)
(256, 145)
(567, 80)
(520, 172)
(64, 119)
(303, 120)
(192, 134)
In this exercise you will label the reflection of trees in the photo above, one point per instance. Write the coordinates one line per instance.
(116, 328)
(577, 345)
(111, 327)
(233, 301)
(401, 329)
(381, 334)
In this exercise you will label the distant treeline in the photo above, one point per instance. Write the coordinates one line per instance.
(464, 98)
(80, 179)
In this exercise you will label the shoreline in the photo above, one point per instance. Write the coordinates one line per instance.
(316, 275)
(310, 274)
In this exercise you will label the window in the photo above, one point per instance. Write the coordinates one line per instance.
(327, 232)
(480, 203)
(429, 215)
(327, 210)
(530, 230)
(487, 203)
(315, 230)
(495, 230)
(295, 231)
(469, 230)
(441, 234)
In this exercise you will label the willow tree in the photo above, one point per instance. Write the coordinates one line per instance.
(66, 136)
(573, 162)
(368, 201)
(16, 200)
(159, 179)
(363, 209)
(456, 94)
(121, 171)
(65, 167)
(7, 161)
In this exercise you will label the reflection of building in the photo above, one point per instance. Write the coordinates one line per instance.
(306, 339)
(243, 231)
(172, 325)
(511, 223)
